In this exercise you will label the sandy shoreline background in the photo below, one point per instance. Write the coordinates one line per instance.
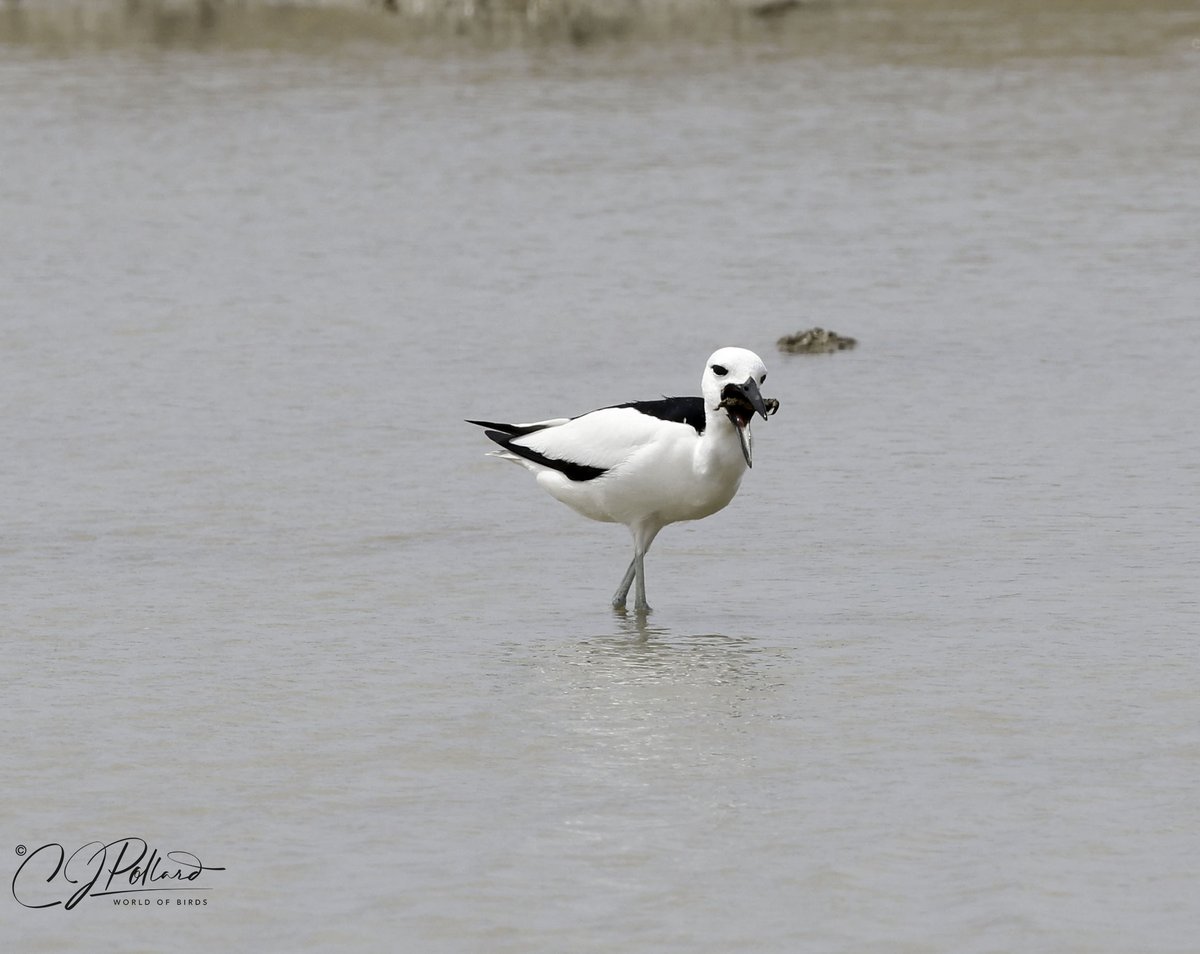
(973, 27)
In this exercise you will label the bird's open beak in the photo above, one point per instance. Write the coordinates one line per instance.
(750, 390)
(742, 401)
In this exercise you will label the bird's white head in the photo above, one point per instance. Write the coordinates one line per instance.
(731, 383)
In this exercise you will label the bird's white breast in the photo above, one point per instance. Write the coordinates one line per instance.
(657, 471)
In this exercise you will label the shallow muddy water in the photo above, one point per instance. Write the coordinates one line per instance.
(928, 684)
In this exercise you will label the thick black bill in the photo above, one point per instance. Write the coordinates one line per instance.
(742, 401)
(750, 390)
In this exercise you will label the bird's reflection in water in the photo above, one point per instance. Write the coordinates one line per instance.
(640, 706)
(637, 626)
(639, 651)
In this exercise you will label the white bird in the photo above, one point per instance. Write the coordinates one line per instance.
(648, 463)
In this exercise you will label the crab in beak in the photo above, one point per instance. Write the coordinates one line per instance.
(741, 402)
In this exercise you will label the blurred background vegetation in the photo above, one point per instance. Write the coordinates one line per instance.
(975, 27)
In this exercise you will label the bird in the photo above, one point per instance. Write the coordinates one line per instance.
(647, 464)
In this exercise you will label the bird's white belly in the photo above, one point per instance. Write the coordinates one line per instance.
(661, 486)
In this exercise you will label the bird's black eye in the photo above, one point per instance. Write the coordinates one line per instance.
(720, 370)
(763, 379)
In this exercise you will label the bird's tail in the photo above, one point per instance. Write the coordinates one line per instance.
(520, 430)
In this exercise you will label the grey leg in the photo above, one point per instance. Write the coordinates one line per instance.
(643, 536)
(640, 605)
(618, 600)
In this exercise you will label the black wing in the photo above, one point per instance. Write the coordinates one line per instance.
(511, 430)
(681, 410)
(504, 434)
